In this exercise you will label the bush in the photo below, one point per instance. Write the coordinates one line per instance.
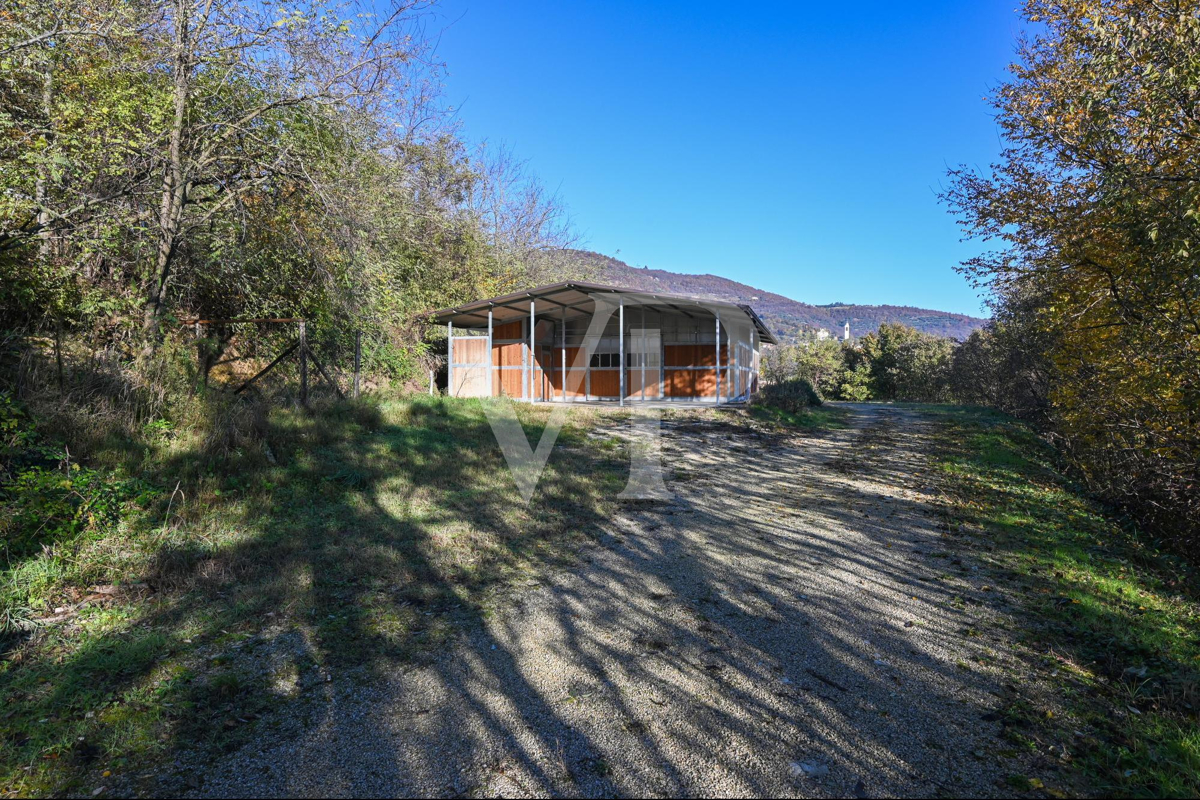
(793, 395)
(47, 498)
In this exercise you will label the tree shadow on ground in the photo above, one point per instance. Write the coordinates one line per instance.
(379, 616)
(375, 537)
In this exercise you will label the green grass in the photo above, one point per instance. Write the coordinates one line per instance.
(811, 419)
(1115, 622)
(373, 533)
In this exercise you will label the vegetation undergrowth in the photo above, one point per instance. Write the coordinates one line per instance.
(793, 402)
(251, 562)
(811, 419)
(1114, 619)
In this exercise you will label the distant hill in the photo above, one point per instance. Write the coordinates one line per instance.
(782, 314)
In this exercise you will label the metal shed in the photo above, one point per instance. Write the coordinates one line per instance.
(573, 341)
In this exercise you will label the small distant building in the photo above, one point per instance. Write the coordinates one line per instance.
(846, 336)
(822, 334)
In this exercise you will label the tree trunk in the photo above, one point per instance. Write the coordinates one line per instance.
(41, 191)
(174, 187)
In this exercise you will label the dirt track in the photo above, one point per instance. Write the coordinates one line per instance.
(786, 626)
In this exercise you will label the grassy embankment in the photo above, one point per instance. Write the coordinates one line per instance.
(362, 535)
(810, 419)
(1114, 623)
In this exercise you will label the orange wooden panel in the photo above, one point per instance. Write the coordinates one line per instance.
(706, 383)
(507, 355)
(541, 377)
(510, 330)
(572, 354)
(679, 383)
(679, 355)
(470, 350)
(606, 383)
(509, 382)
(694, 355)
(633, 382)
(573, 375)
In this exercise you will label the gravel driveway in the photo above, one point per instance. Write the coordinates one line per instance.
(785, 627)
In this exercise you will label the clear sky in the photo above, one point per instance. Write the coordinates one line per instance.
(797, 147)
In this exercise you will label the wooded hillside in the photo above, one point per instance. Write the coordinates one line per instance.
(784, 315)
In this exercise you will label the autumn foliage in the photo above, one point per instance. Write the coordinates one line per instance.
(1094, 208)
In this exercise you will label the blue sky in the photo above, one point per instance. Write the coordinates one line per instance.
(796, 147)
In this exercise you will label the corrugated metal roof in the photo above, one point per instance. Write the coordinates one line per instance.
(574, 299)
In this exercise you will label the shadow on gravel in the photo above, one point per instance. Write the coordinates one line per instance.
(771, 631)
(363, 545)
(745, 641)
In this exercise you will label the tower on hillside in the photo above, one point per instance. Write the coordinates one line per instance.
(846, 335)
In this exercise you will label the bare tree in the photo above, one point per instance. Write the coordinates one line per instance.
(241, 72)
(525, 223)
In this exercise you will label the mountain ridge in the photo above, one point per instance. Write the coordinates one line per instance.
(785, 316)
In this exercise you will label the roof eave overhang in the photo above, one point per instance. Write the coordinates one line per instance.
(480, 308)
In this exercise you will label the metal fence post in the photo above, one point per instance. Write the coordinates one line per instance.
(357, 360)
(491, 371)
(303, 365)
(532, 359)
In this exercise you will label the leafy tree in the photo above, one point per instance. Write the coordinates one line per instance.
(855, 382)
(904, 364)
(894, 363)
(818, 362)
(76, 110)
(229, 158)
(1095, 210)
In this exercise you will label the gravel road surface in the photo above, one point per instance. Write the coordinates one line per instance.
(787, 625)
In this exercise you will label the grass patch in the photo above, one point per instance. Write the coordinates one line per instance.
(810, 419)
(1115, 621)
(794, 403)
(352, 537)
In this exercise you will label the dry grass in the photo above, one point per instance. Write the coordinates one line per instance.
(373, 531)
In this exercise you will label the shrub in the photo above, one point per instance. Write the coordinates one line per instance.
(46, 498)
(792, 395)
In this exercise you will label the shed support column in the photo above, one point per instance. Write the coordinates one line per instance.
(718, 316)
(563, 353)
(532, 371)
(642, 351)
(491, 370)
(753, 363)
(742, 378)
(735, 375)
(741, 370)
(450, 358)
(621, 348)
